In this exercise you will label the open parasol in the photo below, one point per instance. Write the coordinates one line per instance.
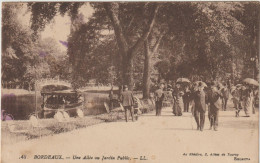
(183, 80)
(203, 84)
(251, 81)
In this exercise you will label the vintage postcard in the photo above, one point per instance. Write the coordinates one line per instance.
(134, 82)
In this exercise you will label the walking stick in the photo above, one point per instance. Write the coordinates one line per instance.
(192, 112)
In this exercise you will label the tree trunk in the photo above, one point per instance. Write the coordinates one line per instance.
(127, 52)
(147, 72)
(257, 48)
(127, 69)
(147, 65)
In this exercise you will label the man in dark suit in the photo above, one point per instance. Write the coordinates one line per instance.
(159, 97)
(186, 98)
(225, 93)
(214, 97)
(199, 97)
(127, 100)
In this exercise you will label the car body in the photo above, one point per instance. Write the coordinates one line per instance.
(65, 101)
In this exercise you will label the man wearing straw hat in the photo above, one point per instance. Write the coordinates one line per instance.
(127, 100)
(214, 97)
(159, 97)
(200, 106)
(225, 93)
(236, 93)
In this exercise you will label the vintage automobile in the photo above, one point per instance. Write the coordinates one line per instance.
(61, 100)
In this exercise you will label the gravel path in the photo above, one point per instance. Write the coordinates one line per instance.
(164, 139)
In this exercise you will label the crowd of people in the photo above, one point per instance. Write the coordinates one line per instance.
(199, 97)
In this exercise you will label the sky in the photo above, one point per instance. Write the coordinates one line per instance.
(59, 29)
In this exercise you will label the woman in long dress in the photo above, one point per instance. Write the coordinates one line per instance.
(255, 97)
(178, 101)
(247, 100)
(236, 93)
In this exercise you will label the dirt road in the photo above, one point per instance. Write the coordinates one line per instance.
(164, 139)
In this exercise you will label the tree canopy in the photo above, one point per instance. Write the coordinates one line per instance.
(137, 43)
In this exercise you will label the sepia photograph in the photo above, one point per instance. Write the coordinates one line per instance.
(130, 82)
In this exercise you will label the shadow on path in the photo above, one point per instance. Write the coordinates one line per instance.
(240, 124)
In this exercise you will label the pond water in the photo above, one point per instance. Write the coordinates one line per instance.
(21, 106)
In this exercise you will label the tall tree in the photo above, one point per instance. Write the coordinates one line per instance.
(149, 50)
(127, 51)
(18, 49)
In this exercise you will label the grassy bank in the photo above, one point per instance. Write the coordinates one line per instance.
(23, 130)
(16, 131)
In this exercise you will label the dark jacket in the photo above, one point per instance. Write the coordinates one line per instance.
(127, 98)
(186, 96)
(159, 95)
(177, 93)
(200, 100)
(225, 93)
(213, 99)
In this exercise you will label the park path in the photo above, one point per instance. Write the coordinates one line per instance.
(164, 139)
